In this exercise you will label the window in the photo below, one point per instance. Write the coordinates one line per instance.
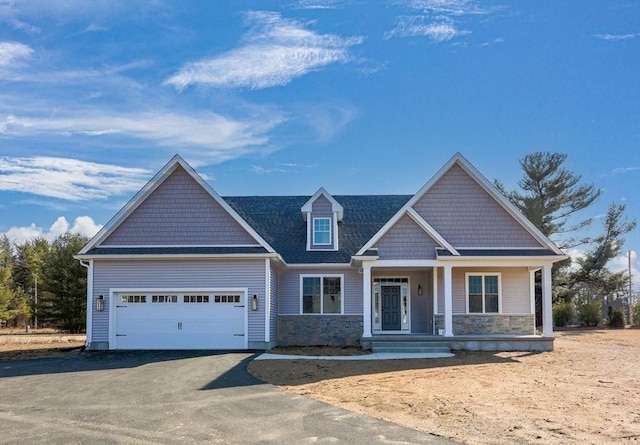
(134, 299)
(483, 293)
(164, 298)
(322, 294)
(322, 231)
(196, 298)
(226, 299)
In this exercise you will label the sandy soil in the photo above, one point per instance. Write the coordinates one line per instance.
(587, 391)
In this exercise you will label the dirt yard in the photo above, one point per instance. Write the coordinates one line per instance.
(587, 391)
(17, 345)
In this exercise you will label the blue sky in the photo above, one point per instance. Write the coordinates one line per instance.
(284, 97)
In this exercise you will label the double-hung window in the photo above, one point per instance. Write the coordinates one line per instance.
(322, 231)
(483, 293)
(321, 294)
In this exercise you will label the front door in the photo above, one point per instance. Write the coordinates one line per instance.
(391, 310)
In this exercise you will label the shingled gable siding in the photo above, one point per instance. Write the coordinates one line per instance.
(406, 241)
(179, 212)
(321, 208)
(467, 216)
(179, 274)
(515, 289)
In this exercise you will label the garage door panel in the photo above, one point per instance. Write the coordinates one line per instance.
(214, 321)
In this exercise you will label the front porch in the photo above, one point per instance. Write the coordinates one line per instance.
(434, 307)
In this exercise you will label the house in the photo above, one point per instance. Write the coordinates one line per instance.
(180, 267)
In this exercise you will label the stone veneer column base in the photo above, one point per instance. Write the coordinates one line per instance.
(319, 330)
(485, 324)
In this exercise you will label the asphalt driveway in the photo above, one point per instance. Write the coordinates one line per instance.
(170, 398)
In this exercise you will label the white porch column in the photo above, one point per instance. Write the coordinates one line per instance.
(448, 302)
(547, 314)
(366, 300)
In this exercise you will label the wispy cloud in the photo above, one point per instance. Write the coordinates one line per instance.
(452, 7)
(435, 19)
(221, 137)
(83, 225)
(277, 50)
(439, 31)
(616, 37)
(319, 4)
(68, 179)
(266, 171)
(620, 170)
(12, 52)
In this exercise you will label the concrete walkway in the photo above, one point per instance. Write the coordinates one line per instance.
(372, 356)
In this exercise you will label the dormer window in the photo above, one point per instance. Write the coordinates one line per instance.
(322, 213)
(322, 231)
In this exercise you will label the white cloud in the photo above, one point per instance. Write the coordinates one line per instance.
(616, 37)
(415, 26)
(277, 50)
(453, 7)
(265, 171)
(83, 225)
(68, 179)
(12, 52)
(620, 170)
(221, 136)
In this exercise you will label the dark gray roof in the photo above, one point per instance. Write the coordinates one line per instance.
(278, 219)
(497, 252)
(186, 250)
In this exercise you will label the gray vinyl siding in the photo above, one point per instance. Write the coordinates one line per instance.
(322, 208)
(421, 305)
(179, 212)
(179, 274)
(289, 289)
(460, 210)
(273, 316)
(406, 241)
(515, 282)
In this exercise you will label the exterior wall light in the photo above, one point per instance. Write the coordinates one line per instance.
(100, 303)
(254, 303)
(419, 289)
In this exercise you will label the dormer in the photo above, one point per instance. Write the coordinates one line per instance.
(322, 214)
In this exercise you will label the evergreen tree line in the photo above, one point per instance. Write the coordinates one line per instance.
(42, 285)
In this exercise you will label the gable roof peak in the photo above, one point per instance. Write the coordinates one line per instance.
(335, 205)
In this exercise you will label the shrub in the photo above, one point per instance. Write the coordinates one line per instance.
(635, 316)
(616, 320)
(589, 313)
(562, 314)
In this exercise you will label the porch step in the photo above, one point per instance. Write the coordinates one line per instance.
(402, 346)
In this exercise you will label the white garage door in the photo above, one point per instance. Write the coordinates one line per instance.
(180, 320)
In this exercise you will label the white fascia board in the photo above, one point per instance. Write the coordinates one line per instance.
(430, 230)
(506, 261)
(418, 220)
(150, 186)
(486, 185)
(318, 266)
(505, 203)
(168, 256)
(132, 204)
(335, 205)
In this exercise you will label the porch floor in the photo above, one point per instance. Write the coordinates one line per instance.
(424, 342)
